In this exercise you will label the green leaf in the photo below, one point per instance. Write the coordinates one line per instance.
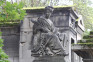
(1, 40)
(12, 12)
(3, 55)
(1, 45)
(0, 33)
(0, 49)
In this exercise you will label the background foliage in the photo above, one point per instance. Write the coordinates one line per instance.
(11, 11)
(81, 6)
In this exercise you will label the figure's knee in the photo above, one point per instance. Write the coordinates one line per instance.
(55, 36)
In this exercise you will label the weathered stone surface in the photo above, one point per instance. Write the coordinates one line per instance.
(50, 59)
(11, 38)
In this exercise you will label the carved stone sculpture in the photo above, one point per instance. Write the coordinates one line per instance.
(46, 38)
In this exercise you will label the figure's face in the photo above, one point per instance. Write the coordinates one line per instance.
(48, 13)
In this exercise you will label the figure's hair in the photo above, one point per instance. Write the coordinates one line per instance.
(49, 8)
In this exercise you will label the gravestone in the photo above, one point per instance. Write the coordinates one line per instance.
(18, 44)
(63, 18)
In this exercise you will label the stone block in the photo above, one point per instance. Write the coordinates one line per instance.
(50, 59)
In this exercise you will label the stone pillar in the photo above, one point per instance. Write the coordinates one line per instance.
(25, 39)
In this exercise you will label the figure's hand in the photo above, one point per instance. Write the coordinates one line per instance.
(55, 31)
(45, 30)
(33, 21)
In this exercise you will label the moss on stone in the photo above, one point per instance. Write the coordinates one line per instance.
(32, 8)
(86, 43)
(90, 45)
(77, 18)
(4, 24)
(91, 32)
(87, 40)
(88, 37)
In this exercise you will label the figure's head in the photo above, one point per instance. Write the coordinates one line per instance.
(48, 11)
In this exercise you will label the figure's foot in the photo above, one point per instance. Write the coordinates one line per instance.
(64, 54)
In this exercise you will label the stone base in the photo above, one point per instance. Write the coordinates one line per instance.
(50, 59)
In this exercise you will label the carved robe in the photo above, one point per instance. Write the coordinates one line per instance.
(46, 38)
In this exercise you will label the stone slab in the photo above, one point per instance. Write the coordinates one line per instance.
(50, 59)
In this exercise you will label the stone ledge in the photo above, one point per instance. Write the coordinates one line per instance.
(50, 59)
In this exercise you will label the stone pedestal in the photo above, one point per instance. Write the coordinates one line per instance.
(50, 59)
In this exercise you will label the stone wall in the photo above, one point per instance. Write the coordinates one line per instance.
(11, 42)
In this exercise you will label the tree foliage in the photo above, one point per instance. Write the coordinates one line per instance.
(83, 8)
(11, 12)
(3, 55)
(40, 3)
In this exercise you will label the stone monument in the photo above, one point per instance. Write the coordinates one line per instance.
(46, 41)
(19, 47)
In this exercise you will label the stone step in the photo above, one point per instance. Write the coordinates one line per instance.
(86, 42)
(88, 37)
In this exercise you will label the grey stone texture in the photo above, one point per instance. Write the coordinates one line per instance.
(50, 59)
(11, 42)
